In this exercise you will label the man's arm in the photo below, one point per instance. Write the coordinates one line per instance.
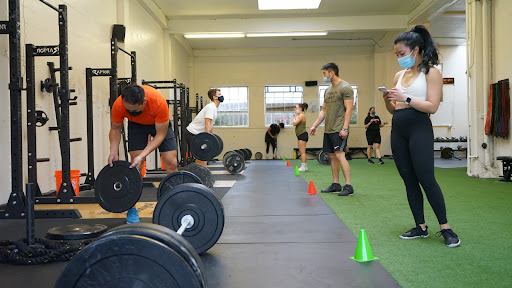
(349, 106)
(319, 119)
(114, 137)
(208, 127)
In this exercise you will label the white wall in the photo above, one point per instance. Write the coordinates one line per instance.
(452, 113)
(502, 61)
(256, 68)
(89, 29)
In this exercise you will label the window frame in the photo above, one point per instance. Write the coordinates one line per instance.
(220, 112)
(296, 89)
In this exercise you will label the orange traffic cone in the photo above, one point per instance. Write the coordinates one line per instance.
(312, 189)
(288, 163)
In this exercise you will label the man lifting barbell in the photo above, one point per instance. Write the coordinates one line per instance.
(205, 119)
(148, 114)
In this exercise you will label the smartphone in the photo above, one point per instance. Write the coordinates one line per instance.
(382, 89)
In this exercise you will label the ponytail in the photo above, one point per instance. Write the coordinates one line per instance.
(419, 36)
(304, 106)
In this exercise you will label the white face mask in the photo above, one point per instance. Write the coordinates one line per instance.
(297, 111)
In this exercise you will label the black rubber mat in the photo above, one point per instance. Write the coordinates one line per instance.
(274, 236)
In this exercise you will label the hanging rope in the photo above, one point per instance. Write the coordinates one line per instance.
(44, 251)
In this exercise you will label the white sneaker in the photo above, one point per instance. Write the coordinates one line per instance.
(303, 169)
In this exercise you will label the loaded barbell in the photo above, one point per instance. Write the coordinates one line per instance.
(206, 146)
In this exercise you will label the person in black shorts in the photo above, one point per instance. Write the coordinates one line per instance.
(372, 124)
(337, 111)
(271, 138)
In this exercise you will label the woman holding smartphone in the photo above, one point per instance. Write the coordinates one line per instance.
(417, 93)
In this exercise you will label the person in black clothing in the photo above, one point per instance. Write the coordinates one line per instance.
(372, 124)
(271, 138)
(417, 93)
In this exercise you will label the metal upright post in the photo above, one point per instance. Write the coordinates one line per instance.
(31, 117)
(15, 206)
(66, 191)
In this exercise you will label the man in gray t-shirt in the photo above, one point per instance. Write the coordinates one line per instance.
(337, 110)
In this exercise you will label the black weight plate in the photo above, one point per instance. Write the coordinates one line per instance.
(258, 156)
(233, 162)
(205, 146)
(119, 187)
(323, 158)
(240, 152)
(174, 179)
(76, 232)
(198, 201)
(127, 261)
(168, 237)
(446, 153)
(202, 172)
(249, 152)
(246, 154)
(221, 143)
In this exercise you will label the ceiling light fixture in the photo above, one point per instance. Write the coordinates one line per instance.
(215, 35)
(288, 4)
(285, 34)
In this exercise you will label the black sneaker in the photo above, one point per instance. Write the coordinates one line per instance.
(450, 238)
(370, 161)
(335, 187)
(348, 190)
(380, 161)
(347, 156)
(415, 232)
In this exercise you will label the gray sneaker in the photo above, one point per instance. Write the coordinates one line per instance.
(348, 190)
(335, 187)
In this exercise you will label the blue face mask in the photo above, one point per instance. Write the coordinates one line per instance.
(327, 80)
(373, 113)
(407, 62)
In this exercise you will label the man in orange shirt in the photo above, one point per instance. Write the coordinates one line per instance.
(148, 114)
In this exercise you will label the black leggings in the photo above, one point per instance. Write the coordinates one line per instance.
(270, 141)
(412, 143)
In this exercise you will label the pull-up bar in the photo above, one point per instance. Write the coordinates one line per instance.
(51, 6)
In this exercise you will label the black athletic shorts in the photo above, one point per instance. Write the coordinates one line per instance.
(373, 138)
(333, 142)
(188, 138)
(138, 137)
(304, 137)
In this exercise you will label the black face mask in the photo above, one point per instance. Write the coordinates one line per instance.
(134, 113)
(221, 98)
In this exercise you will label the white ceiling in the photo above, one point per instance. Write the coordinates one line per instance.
(349, 22)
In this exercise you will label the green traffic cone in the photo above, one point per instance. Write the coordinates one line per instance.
(297, 173)
(363, 250)
(284, 159)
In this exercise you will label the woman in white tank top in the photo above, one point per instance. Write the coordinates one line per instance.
(417, 93)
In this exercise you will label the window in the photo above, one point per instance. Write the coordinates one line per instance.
(321, 93)
(233, 111)
(280, 103)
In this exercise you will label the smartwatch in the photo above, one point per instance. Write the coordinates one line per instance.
(343, 129)
(407, 101)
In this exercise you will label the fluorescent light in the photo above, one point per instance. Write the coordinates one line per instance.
(288, 4)
(215, 35)
(284, 34)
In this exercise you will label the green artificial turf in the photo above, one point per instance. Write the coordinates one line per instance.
(478, 210)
